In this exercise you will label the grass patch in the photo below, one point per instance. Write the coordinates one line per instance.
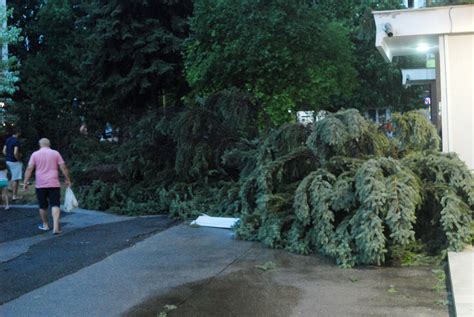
(414, 255)
(270, 265)
(392, 289)
(166, 310)
(440, 285)
(442, 302)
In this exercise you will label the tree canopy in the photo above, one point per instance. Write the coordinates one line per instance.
(122, 59)
(286, 53)
(51, 76)
(8, 65)
(133, 61)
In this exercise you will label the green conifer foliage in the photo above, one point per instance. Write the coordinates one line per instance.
(415, 133)
(340, 188)
(360, 203)
(448, 199)
(204, 132)
(267, 194)
(454, 215)
(174, 161)
(346, 133)
(133, 60)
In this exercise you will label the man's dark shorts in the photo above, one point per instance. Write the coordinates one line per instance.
(51, 195)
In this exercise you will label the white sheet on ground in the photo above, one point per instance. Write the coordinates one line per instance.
(216, 222)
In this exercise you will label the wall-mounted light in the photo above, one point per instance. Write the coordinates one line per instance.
(388, 29)
(422, 47)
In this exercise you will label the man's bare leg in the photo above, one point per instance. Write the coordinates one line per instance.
(56, 213)
(44, 218)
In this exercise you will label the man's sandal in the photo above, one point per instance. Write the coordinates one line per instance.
(43, 228)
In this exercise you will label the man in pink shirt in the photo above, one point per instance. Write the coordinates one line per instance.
(46, 162)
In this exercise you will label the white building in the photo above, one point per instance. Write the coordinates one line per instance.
(448, 32)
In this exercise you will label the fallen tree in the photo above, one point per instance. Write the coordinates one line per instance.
(368, 196)
(341, 188)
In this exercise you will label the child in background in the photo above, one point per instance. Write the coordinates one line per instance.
(4, 182)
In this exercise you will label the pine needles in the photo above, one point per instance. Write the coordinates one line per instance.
(341, 188)
(354, 202)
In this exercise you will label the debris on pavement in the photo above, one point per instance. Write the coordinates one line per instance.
(270, 265)
(215, 222)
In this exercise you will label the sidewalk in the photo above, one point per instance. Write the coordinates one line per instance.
(206, 272)
(461, 269)
(80, 218)
(126, 278)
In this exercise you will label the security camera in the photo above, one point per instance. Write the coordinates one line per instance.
(388, 29)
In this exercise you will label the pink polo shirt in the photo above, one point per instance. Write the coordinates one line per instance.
(46, 162)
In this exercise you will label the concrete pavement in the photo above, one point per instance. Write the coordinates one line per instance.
(300, 286)
(53, 259)
(106, 266)
(19, 227)
(124, 279)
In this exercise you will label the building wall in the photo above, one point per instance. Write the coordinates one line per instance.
(457, 94)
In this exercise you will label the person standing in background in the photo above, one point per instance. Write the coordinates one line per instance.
(4, 182)
(11, 150)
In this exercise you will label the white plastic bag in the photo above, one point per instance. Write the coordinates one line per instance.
(70, 201)
(215, 222)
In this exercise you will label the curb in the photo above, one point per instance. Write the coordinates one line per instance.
(461, 271)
